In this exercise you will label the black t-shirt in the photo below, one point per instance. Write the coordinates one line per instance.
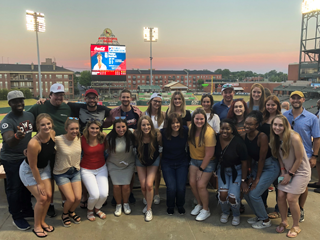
(234, 154)
(80, 111)
(132, 118)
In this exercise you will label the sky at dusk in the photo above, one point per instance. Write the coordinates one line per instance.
(255, 35)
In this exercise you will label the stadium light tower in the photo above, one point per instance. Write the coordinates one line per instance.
(36, 23)
(150, 35)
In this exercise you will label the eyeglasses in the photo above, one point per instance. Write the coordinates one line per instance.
(92, 98)
(73, 118)
(123, 117)
(292, 124)
(158, 102)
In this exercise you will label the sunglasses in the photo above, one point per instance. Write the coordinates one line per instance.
(292, 124)
(123, 117)
(74, 118)
(94, 119)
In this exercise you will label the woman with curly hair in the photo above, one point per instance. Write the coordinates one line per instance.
(148, 140)
(237, 113)
(94, 172)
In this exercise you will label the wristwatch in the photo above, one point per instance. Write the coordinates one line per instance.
(290, 174)
(201, 169)
(242, 180)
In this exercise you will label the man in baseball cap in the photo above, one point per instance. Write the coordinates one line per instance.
(57, 88)
(221, 108)
(300, 94)
(16, 129)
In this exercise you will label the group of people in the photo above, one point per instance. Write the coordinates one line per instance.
(249, 146)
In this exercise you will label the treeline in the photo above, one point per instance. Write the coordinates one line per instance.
(272, 76)
(4, 93)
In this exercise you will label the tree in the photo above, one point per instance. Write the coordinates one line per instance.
(200, 82)
(85, 78)
(75, 84)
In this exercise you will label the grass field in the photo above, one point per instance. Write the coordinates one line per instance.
(27, 102)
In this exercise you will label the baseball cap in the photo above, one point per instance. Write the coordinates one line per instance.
(300, 94)
(154, 95)
(226, 86)
(57, 87)
(15, 94)
(91, 91)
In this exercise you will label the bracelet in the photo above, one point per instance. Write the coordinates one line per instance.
(15, 136)
(290, 173)
(282, 168)
(313, 155)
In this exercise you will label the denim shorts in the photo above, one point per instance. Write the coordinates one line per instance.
(70, 176)
(156, 162)
(26, 175)
(209, 169)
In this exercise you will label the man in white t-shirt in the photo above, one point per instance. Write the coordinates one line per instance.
(99, 65)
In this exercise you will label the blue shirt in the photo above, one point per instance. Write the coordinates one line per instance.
(307, 125)
(254, 108)
(221, 109)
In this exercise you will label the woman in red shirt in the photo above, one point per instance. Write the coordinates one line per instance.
(94, 171)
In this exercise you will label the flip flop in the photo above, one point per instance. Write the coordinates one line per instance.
(47, 229)
(274, 215)
(90, 216)
(283, 226)
(36, 233)
(293, 230)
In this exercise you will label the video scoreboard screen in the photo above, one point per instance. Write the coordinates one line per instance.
(108, 62)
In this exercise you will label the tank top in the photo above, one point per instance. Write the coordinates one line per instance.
(253, 148)
(93, 157)
(46, 154)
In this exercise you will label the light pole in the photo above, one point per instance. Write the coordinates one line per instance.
(35, 23)
(150, 35)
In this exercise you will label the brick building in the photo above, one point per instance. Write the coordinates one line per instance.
(26, 76)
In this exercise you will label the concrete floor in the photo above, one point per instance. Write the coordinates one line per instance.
(162, 226)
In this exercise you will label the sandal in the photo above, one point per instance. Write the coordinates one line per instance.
(83, 204)
(75, 218)
(101, 214)
(66, 221)
(90, 216)
(274, 215)
(47, 229)
(242, 208)
(293, 231)
(36, 233)
(282, 226)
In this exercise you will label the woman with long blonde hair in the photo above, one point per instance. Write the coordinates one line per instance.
(178, 105)
(202, 142)
(148, 140)
(286, 145)
(257, 98)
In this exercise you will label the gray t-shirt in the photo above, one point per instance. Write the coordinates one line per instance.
(10, 123)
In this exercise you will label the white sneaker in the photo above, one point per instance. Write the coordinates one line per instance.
(253, 220)
(203, 215)
(144, 210)
(196, 210)
(126, 208)
(144, 201)
(224, 218)
(148, 216)
(236, 221)
(261, 224)
(156, 199)
(118, 211)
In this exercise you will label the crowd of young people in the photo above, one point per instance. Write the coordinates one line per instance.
(249, 148)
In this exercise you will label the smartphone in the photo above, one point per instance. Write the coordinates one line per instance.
(280, 179)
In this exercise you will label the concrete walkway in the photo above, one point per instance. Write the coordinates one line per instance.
(162, 226)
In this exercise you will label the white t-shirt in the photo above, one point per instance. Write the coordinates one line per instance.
(155, 122)
(103, 67)
(214, 122)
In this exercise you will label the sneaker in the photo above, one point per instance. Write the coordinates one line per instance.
(196, 210)
(118, 210)
(144, 210)
(170, 211)
(261, 224)
(156, 199)
(236, 221)
(21, 224)
(270, 189)
(113, 202)
(51, 211)
(203, 215)
(181, 210)
(148, 216)
(224, 218)
(144, 201)
(253, 220)
(301, 215)
(126, 208)
(289, 212)
(131, 198)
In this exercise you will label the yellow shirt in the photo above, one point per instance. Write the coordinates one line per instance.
(197, 152)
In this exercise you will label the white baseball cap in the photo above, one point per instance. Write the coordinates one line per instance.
(57, 87)
(154, 95)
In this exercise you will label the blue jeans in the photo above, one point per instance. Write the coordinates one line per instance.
(233, 189)
(18, 196)
(175, 175)
(270, 172)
